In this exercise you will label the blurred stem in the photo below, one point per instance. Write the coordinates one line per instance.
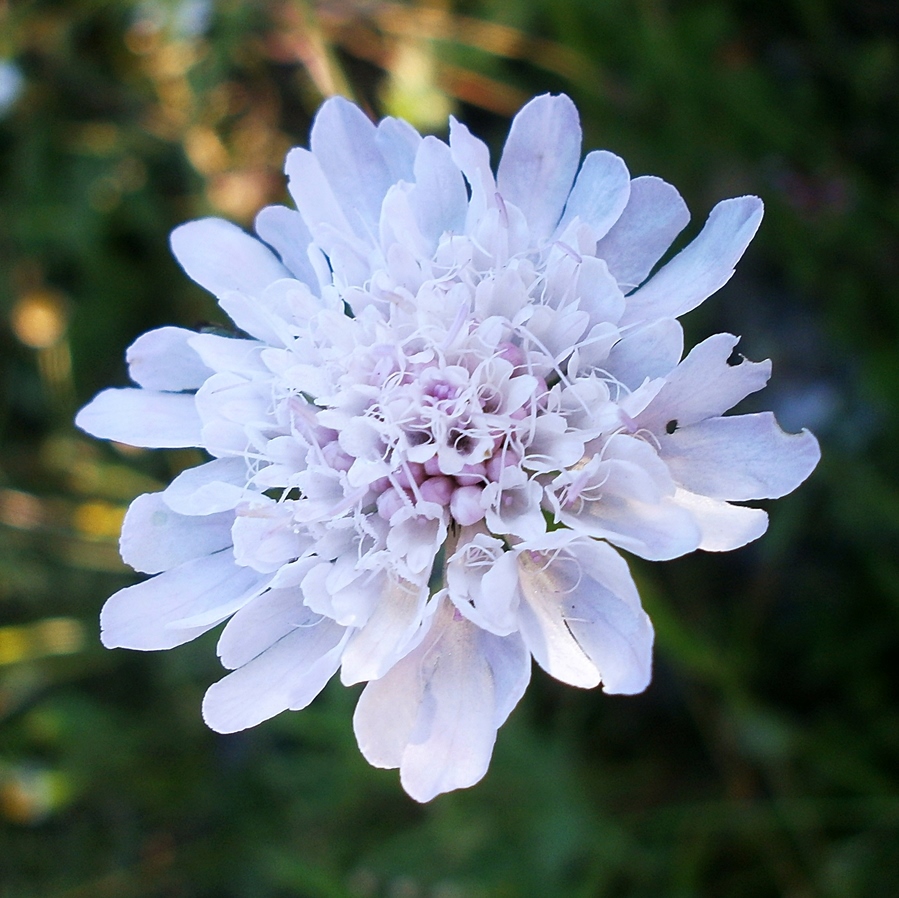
(318, 57)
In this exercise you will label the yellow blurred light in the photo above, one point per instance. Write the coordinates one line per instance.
(205, 150)
(240, 194)
(412, 92)
(98, 520)
(40, 317)
(15, 645)
(51, 636)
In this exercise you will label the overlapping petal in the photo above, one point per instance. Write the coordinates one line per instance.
(455, 398)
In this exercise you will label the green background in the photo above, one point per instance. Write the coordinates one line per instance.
(764, 758)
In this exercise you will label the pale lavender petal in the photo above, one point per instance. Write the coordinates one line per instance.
(261, 623)
(473, 159)
(163, 359)
(646, 352)
(221, 257)
(229, 354)
(219, 485)
(312, 193)
(740, 457)
(146, 616)
(723, 526)
(704, 385)
(155, 538)
(703, 267)
(144, 418)
(654, 215)
(627, 501)
(600, 193)
(388, 634)
(288, 674)
(343, 141)
(285, 231)
(439, 198)
(582, 619)
(540, 159)
(398, 142)
(436, 712)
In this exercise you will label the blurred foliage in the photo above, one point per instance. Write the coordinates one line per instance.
(761, 761)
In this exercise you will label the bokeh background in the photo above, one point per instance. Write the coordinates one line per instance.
(764, 758)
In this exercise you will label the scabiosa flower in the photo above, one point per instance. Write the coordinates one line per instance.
(458, 395)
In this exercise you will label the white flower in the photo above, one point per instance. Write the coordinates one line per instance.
(456, 394)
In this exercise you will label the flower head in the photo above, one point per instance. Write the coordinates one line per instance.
(457, 396)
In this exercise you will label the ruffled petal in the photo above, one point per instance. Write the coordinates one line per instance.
(143, 418)
(221, 257)
(149, 615)
(540, 159)
(705, 266)
(581, 617)
(163, 359)
(704, 385)
(436, 712)
(654, 215)
(740, 457)
(155, 538)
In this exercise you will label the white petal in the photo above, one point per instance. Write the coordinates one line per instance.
(221, 257)
(654, 215)
(155, 538)
(288, 674)
(473, 158)
(651, 351)
(540, 159)
(398, 142)
(704, 385)
(343, 141)
(285, 231)
(163, 359)
(261, 623)
(740, 457)
(703, 267)
(439, 198)
(142, 418)
(219, 485)
(600, 193)
(598, 292)
(312, 193)
(389, 632)
(142, 616)
(229, 354)
(582, 618)
(482, 582)
(435, 714)
(724, 526)
(627, 501)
